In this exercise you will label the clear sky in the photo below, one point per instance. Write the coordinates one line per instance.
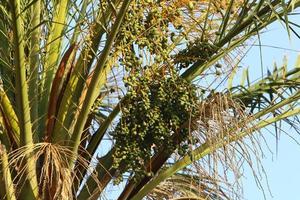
(282, 169)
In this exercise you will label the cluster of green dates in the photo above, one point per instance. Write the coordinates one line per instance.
(155, 109)
(158, 102)
(149, 27)
(197, 50)
(145, 29)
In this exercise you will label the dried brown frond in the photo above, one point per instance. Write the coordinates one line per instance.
(56, 176)
(219, 117)
(218, 174)
(185, 186)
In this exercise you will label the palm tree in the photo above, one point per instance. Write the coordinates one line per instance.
(99, 93)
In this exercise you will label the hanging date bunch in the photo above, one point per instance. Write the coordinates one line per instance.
(197, 50)
(156, 108)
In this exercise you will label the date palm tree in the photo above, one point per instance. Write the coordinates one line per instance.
(141, 94)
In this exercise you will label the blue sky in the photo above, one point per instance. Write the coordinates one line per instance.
(282, 169)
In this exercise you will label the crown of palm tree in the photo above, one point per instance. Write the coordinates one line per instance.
(139, 80)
